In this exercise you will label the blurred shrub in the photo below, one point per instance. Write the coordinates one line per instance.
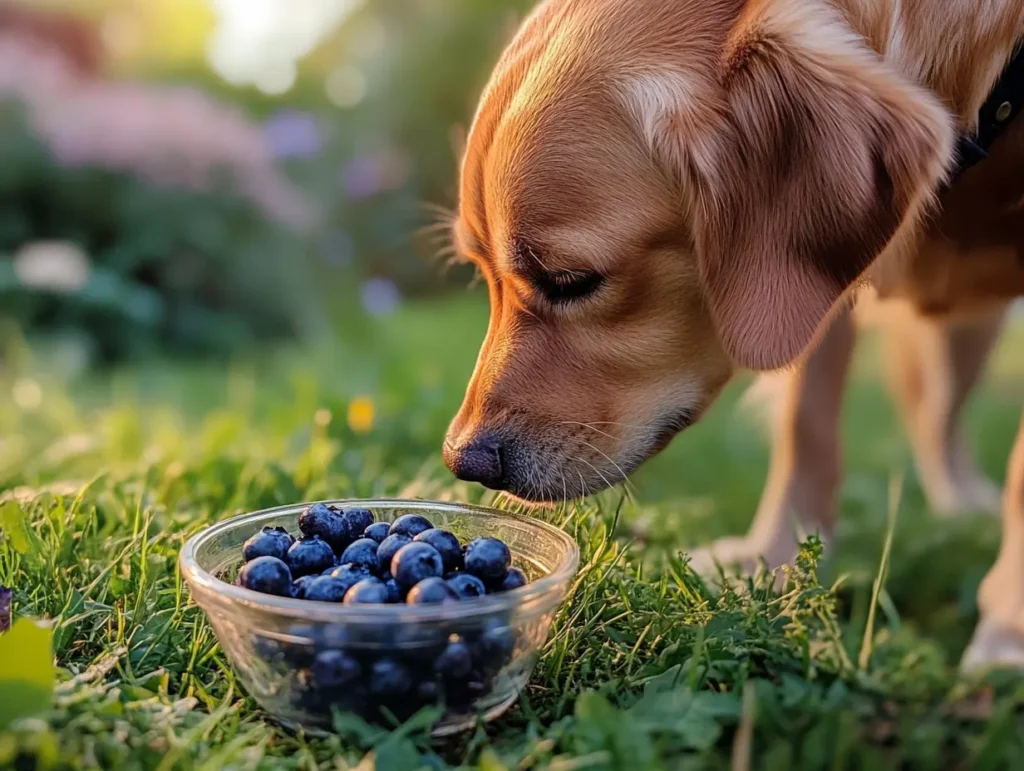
(383, 165)
(135, 268)
(201, 270)
(423, 82)
(390, 158)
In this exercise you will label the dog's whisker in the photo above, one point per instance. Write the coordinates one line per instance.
(587, 425)
(583, 484)
(627, 486)
(606, 457)
(439, 210)
(597, 471)
(440, 241)
(529, 250)
(530, 313)
(569, 497)
(434, 227)
(446, 253)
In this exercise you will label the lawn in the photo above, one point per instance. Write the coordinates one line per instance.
(104, 477)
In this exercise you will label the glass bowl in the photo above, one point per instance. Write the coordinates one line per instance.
(285, 651)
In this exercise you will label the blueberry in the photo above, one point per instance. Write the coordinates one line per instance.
(333, 669)
(326, 589)
(369, 591)
(389, 678)
(466, 586)
(320, 519)
(268, 542)
(299, 586)
(430, 591)
(415, 562)
(283, 652)
(362, 552)
(476, 689)
(268, 648)
(410, 524)
(303, 632)
(427, 692)
(378, 531)
(333, 637)
(446, 544)
(394, 590)
(420, 644)
(487, 558)
(300, 649)
(387, 550)
(494, 645)
(350, 575)
(268, 575)
(460, 696)
(357, 520)
(309, 555)
(514, 579)
(456, 661)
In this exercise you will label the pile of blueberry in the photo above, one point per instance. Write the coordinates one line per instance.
(344, 556)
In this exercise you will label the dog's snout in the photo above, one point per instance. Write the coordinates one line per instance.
(477, 460)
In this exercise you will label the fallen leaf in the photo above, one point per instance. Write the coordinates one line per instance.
(27, 673)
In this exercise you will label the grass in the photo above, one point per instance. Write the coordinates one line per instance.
(104, 478)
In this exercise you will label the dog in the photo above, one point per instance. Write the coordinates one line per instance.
(660, 193)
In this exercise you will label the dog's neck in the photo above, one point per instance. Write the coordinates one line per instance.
(955, 48)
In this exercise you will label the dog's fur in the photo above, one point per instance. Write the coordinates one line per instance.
(727, 173)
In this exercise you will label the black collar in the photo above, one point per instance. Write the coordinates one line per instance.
(1004, 103)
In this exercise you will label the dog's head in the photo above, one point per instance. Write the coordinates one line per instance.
(656, 193)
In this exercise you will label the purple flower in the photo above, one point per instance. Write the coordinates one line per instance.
(5, 608)
(292, 134)
(374, 173)
(362, 178)
(380, 297)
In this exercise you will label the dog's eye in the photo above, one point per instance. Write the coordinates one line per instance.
(566, 286)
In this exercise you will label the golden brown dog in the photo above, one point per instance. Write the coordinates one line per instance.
(659, 192)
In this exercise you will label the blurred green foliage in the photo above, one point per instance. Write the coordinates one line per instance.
(201, 273)
(422, 84)
(170, 270)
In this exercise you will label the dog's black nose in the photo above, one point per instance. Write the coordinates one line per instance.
(478, 460)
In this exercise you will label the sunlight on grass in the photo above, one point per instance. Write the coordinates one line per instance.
(104, 479)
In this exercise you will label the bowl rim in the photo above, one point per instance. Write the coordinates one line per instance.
(204, 584)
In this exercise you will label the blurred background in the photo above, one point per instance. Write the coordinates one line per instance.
(190, 177)
(224, 278)
(223, 224)
(225, 285)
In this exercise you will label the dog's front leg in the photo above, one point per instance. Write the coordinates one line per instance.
(933, 366)
(800, 495)
(999, 637)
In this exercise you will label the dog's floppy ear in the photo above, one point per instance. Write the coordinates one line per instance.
(824, 153)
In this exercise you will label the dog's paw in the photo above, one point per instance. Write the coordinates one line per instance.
(741, 556)
(994, 645)
(973, 494)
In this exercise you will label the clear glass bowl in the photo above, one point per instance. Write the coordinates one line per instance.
(279, 646)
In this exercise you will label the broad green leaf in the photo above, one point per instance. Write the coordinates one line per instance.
(27, 673)
(397, 755)
(12, 520)
(604, 728)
